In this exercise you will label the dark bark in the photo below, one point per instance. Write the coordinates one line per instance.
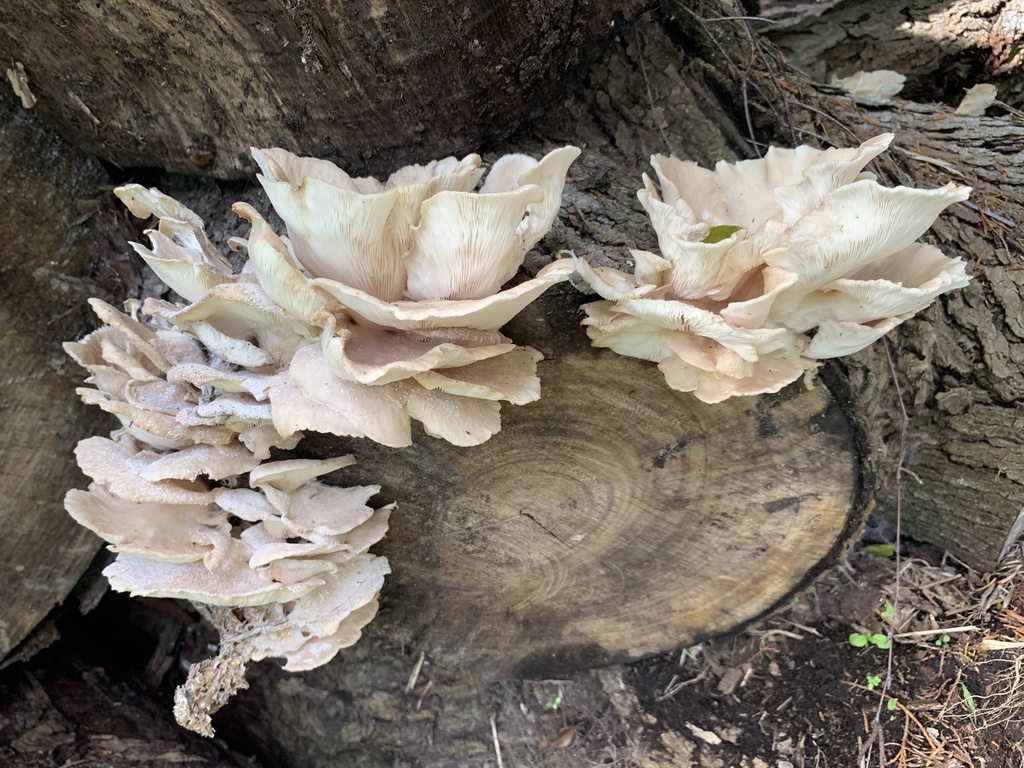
(373, 84)
(60, 246)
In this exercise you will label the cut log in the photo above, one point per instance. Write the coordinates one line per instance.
(959, 366)
(613, 503)
(191, 87)
(56, 255)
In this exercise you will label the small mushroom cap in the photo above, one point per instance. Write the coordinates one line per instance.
(486, 314)
(120, 467)
(175, 533)
(315, 651)
(288, 476)
(213, 461)
(234, 583)
(372, 356)
(512, 377)
(464, 246)
(278, 274)
(310, 398)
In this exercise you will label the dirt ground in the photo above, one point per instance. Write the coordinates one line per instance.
(793, 691)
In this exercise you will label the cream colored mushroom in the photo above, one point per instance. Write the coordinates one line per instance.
(768, 266)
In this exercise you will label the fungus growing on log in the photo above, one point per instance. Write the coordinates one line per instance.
(770, 266)
(383, 305)
(284, 565)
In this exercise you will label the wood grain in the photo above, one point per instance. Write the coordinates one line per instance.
(613, 519)
(51, 243)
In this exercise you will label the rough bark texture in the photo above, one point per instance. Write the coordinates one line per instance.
(190, 86)
(57, 251)
(64, 715)
(942, 47)
(959, 366)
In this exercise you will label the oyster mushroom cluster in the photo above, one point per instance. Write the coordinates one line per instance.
(769, 266)
(286, 560)
(382, 304)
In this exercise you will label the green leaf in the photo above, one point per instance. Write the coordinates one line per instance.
(874, 681)
(857, 640)
(943, 640)
(891, 704)
(882, 550)
(968, 699)
(880, 641)
(720, 233)
(888, 611)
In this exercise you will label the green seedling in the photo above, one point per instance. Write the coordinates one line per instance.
(860, 640)
(556, 703)
(891, 704)
(888, 610)
(880, 641)
(943, 639)
(968, 698)
(874, 681)
(882, 550)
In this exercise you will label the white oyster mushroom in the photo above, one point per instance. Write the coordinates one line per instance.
(399, 281)
(768, 266)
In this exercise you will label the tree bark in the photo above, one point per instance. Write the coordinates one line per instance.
(191, 86)
(941, 47)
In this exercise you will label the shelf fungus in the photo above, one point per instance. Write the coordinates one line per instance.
(383, 302)
(281, 568)
(769, 266)
(169, 390)
(381, 305)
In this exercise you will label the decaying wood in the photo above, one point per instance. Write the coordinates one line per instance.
(700, 90)
(56, 255)
(190, 87)
(64, 716)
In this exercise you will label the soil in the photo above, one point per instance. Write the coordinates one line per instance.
(791, 691)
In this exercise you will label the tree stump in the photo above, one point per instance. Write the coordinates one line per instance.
(613, 519)
(56, 255)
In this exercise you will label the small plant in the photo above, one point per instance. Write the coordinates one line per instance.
(873, 681)
(888, 611)
(882, 550)
(891, 704)
(943, 639)
(877, 639)
(968, 699)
